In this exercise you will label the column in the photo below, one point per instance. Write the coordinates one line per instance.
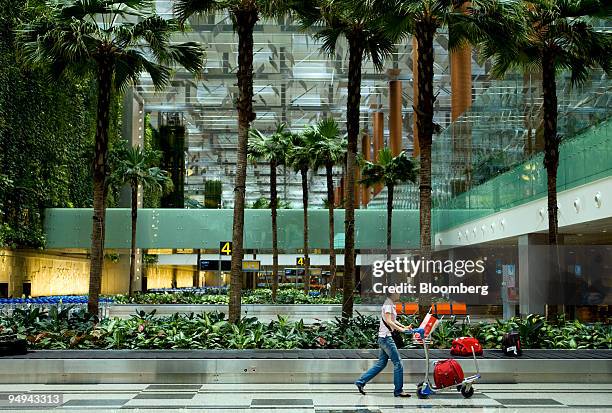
(533, 276)
(378, 125)
(395, 112)
(415, 93)
(365, 150)
(461, 100)
(461, 81)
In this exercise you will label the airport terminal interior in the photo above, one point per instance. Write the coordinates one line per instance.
(257, 195)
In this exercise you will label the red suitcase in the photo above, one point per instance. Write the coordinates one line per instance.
(447, 373)
(462, 346)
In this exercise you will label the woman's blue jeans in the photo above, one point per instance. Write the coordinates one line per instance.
(388, 350)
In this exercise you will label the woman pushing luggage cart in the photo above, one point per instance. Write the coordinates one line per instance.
(447, 373)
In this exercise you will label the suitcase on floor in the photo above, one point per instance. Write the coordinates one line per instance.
(511, 344)
(463, 346)
(447, 373)
(10, 345)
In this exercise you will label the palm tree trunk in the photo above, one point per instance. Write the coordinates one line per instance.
(134, 186)
(304, 173)
(551, 142)
(105, 75)
(390, 188)
(330, 202)
(551, 162)
(425, 108)
(273, 206)
(245, 21)
(352, 124)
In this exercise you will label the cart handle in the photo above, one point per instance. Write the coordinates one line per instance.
(419, 330)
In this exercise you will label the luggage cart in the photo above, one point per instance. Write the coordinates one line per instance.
(426, 388)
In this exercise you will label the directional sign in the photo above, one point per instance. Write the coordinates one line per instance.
(225, 248)
(250, 265)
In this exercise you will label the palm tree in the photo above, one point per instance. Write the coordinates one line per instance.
(329, 150)
(300, 157)
(558, 37)
(362, 24)
(273, 149)
(423, 19)
(245, 14)
(76, 37)
(138, 168)
(389, 170)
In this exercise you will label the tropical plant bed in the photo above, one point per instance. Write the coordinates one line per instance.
(70, 328)
(258, 296)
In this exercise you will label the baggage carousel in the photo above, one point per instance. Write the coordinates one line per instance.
(288, 366)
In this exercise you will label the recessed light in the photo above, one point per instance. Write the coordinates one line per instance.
(604, 230)
(579, 235)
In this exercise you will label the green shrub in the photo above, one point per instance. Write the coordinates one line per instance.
(258, 296)
(68, 328)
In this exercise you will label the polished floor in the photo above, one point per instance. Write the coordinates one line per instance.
(319, 398)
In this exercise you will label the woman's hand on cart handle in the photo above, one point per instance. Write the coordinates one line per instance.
(419, 330)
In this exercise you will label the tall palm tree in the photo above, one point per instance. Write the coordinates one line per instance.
(389, 170)
(362, 24)
(559, 36)
(244, 14)
(329, 150)
(423, 19)
(99, 36)
(274, 149)
(300, 158)
(138, 168)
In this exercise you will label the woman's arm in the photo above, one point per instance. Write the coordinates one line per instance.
(393, 324)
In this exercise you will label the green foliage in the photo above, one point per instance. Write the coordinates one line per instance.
(264, 203)
(389, 169)
(135, 166)
(68, 328)
(286, 295)
(328, 147)
(46, 135)
(213, 191)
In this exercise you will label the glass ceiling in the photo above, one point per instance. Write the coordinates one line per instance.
(294, 83)
(297, 84)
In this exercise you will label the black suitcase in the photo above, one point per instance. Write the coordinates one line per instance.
(511, 344)
(10, 345)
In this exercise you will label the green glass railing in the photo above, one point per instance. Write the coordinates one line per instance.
(582, 159)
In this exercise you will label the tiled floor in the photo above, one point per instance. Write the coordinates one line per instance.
(315, 398)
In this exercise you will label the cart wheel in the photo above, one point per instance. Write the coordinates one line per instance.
(467, 392)
(420, 393)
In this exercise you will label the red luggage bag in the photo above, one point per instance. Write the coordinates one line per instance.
(462, 346)
(447, 373)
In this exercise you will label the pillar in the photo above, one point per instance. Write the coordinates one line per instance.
(395, 112)
(461, 81)
(532, 271)
(415, 93)
(365, 150)
(461, 100)
(378, 125)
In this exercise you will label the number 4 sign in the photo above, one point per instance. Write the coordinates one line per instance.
(225, 248)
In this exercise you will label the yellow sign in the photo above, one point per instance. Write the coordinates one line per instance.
(225, 248)
(300, 261)
(250, 266)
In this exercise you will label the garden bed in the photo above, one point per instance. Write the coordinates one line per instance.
(69, 328)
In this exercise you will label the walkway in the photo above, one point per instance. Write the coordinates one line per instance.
(320, 398)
